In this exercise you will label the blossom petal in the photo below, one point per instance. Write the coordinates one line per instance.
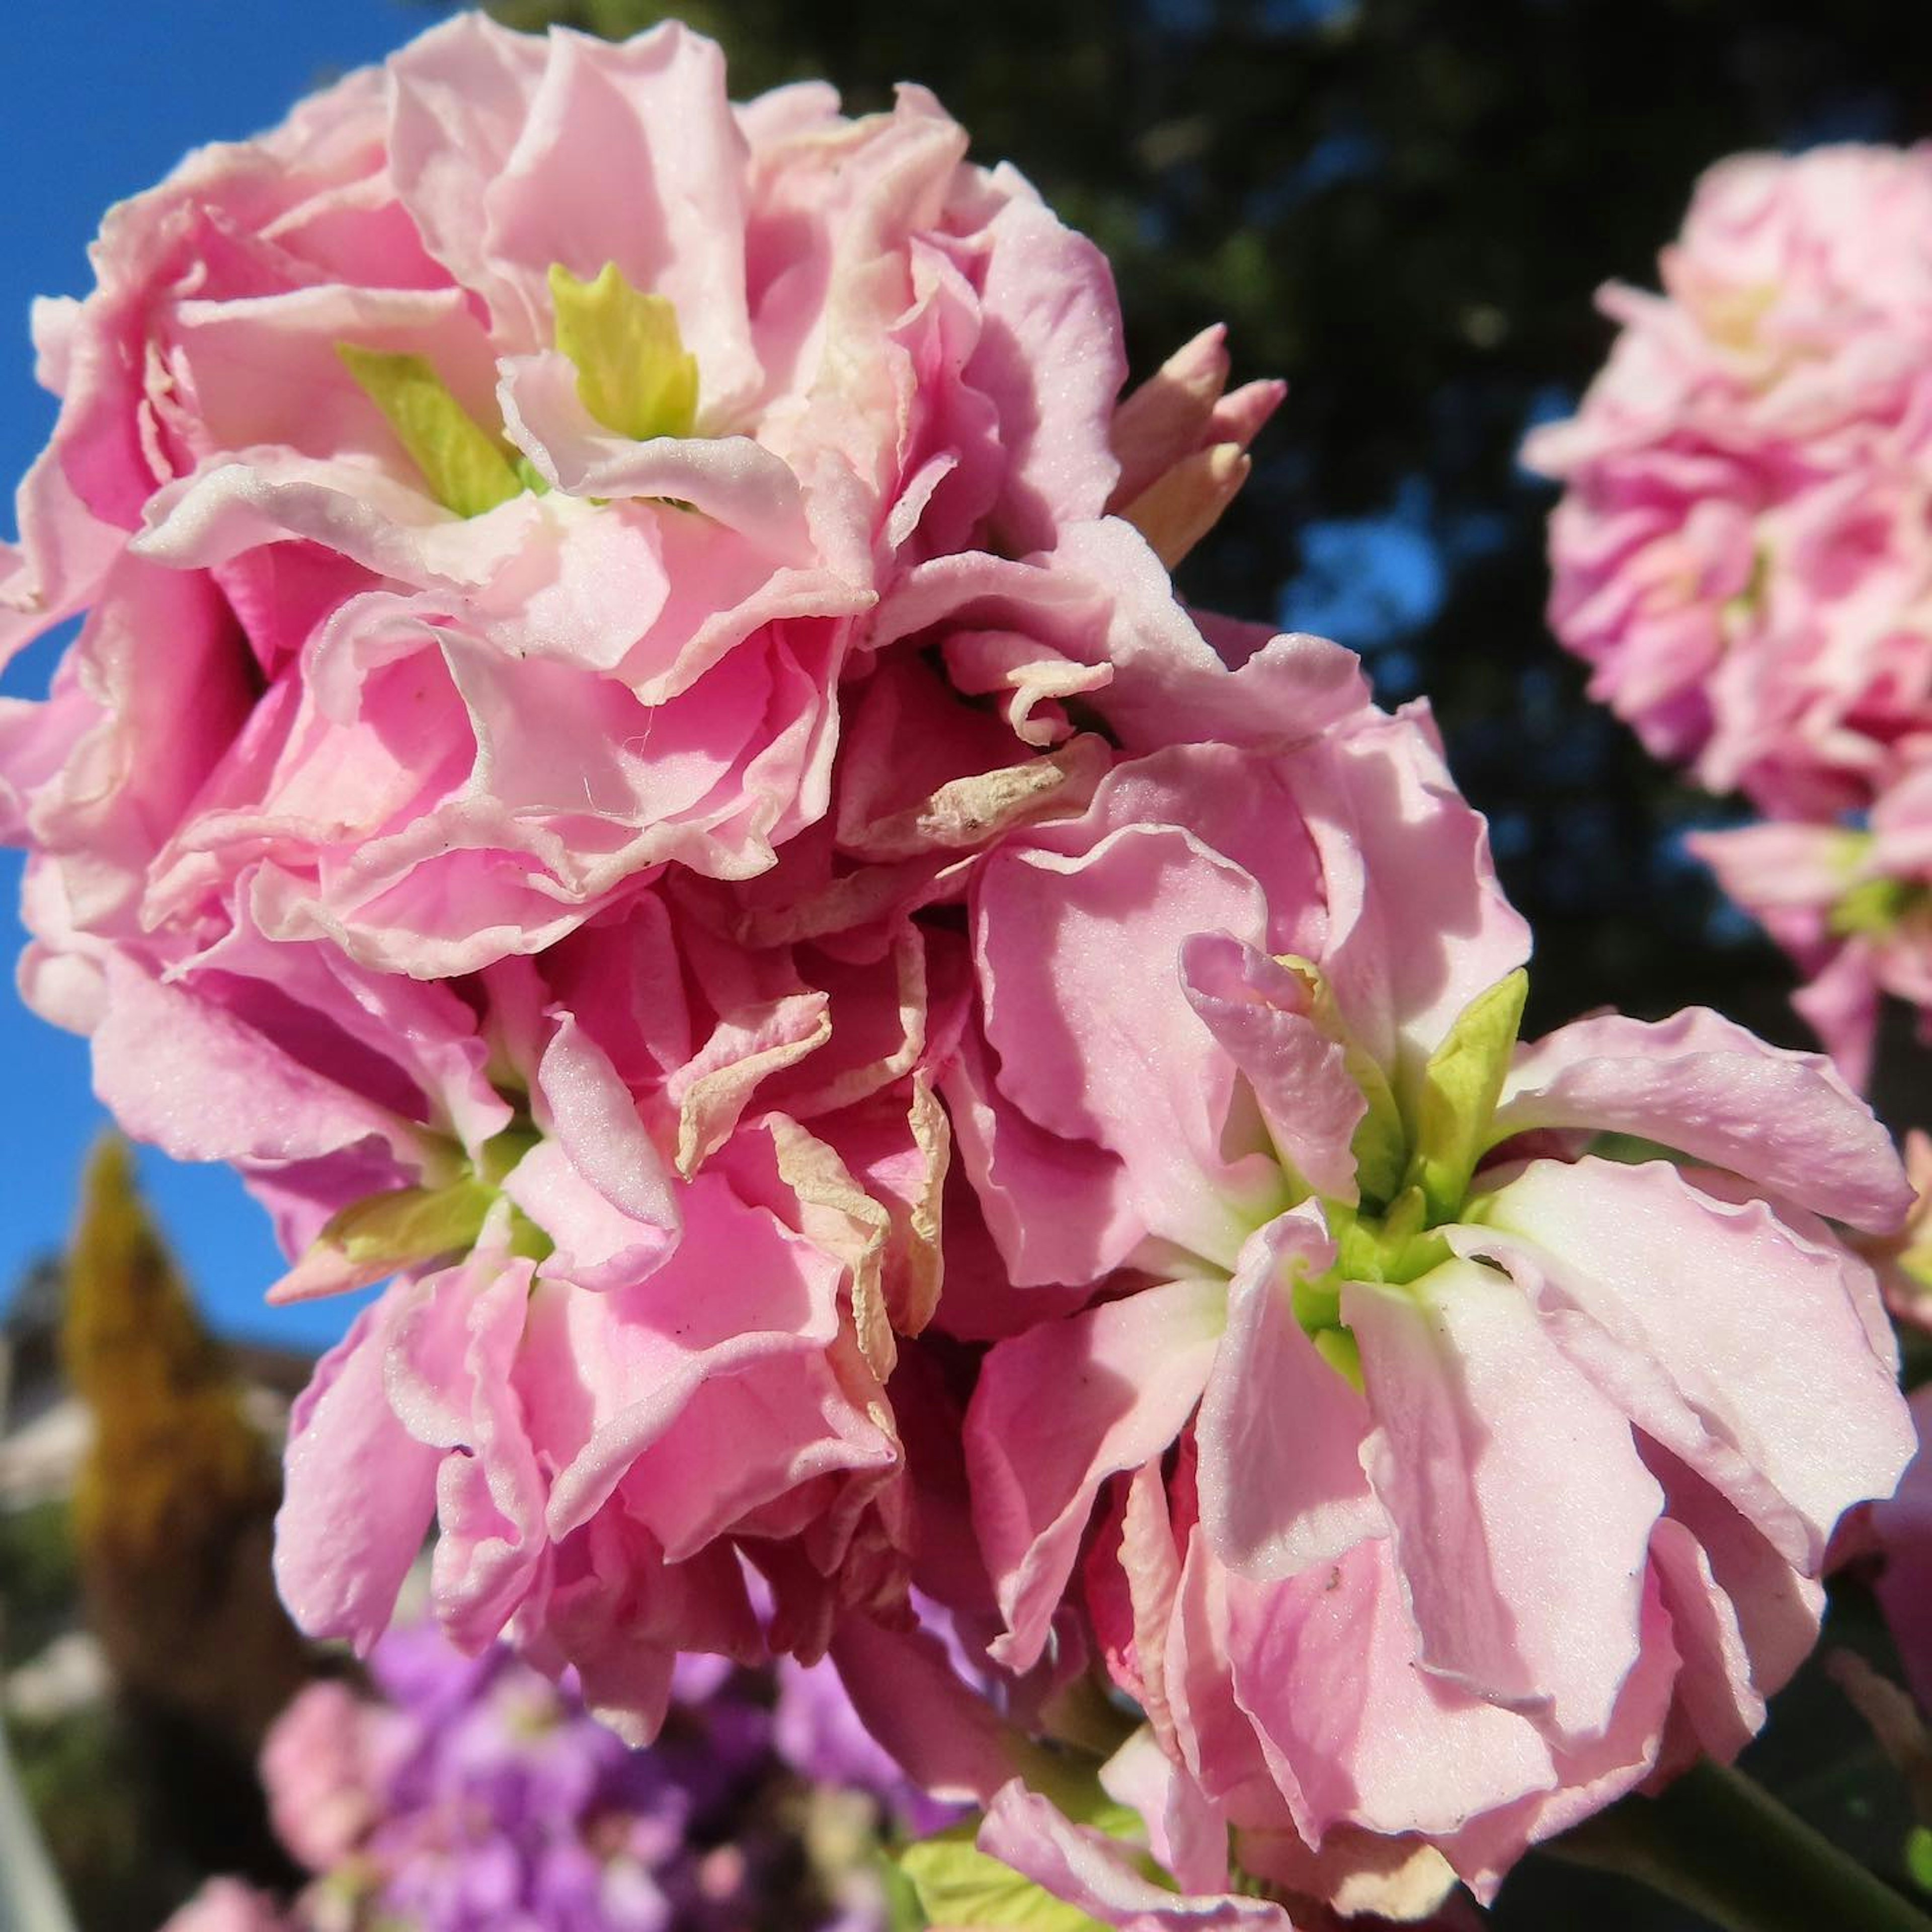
(1281, 1431)
(1058, 1410)
(1785, 1120)
(1522, 1512)
(1732, 1341)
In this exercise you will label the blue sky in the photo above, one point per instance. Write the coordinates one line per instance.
(102, 100)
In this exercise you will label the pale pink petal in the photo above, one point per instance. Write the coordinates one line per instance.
(1282, 1432)
(1257, 1012)
(1328, 1667)
(1903, 1525)
(1058, 1410)
(185, 1074)
(1697, 1082)
(1521, 1510)
(358, 1490)
(1080, 966)
(1096, 1876)
(1732, 1341)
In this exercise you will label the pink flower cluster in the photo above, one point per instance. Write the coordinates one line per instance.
(634, 763)
(1743, 553)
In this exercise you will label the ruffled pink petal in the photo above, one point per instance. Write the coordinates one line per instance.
(1326, 1666)
(358, 1490)
(1903, 1526)
(1096, 1875)
(604, 1376)
(1282, 1433)
(1522, 1512)
(1785, 1120)
(157, 1046)
(1257, 1012)
(1080, 974)
(1732, 1342)
(1058, 1410)
(1419, 926)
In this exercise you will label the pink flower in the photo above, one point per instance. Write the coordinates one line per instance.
(1507, 1468)
(324, 1767)
(1903, 1261)
(518, 451)
(653, 1245)
(1853, 909)
(1743, 554)
(1901, 1530)
(227, 1905)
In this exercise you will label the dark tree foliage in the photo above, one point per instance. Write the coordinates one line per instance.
(1404, 206)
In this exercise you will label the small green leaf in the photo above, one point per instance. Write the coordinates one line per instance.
(958, 1884)
(410, 1224)
(633, 374)
(1337, 1348)
(1873, 908)
(1460, 1086)
(1918, 1857)
(466, 468)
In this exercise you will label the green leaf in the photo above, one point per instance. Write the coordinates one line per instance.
(1337, 1348)
(1460, 1089)
(466, 468)
(958, 1884)
(633, 374)
(1873, 908)
(410, 1224)
(1918, 1857)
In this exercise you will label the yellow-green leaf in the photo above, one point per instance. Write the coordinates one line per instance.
(410, 1224)
(1460, 1087)
(958, 1884)
(466, 468)
(633, 374)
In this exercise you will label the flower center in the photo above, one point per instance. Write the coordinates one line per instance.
(633, 375)
(1415, 1163)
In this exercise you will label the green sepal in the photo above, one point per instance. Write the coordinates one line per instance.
(410, 1224)
(633, 374)
(1630, 1149)
(503, 1151)
(1873, 908)
(527, 1239)
(1338, 1349)
(466, 468)
(1460, 1087)
(1918, 1857)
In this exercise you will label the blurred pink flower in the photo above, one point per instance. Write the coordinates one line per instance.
(227, 1905)
(1852, 908)
(1744, 550)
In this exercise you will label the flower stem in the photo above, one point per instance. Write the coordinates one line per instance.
(1722, 1845)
